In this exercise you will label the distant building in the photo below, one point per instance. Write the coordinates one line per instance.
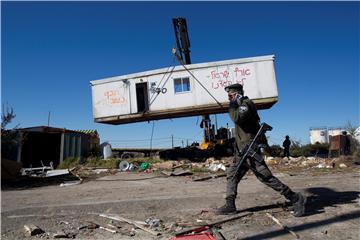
(41, 145)
(319, 135)
(357, 134)
(323, 134)
(335, 131)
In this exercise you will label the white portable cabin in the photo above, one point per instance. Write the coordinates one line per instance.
(180, 91)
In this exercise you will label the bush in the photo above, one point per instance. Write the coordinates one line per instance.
(69, 163)
(297, 150)
(97, 162)
(276, 151)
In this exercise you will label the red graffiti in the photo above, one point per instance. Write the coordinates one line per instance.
(221, 83)
(242, 72)
(216, 75)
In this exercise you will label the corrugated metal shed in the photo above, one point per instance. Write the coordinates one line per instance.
(43, 144)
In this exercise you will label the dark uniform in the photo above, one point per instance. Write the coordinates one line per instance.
(286, 145)
(244, 114)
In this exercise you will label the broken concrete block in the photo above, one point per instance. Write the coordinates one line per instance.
(32, 230)
(164, 165)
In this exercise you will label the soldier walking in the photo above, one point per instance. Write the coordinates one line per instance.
(244, 114)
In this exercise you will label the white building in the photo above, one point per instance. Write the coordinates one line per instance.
(319, 135)
(323, 134)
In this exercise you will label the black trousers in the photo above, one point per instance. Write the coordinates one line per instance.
(286, 152)
(261, 171)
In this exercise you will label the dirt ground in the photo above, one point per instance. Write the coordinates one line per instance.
(333, 206)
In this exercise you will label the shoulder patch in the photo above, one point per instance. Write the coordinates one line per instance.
(243, 109)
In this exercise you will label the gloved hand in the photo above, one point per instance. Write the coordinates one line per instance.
(234, 104)
(238, 99)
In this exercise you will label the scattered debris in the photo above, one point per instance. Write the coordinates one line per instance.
(282, 226)
(207, 226)
(153, 222)
(125, 166)
(122, 219)
(35, 172)
(58, 172)
(177, 172)
(101, 170)
(216, 167)
(70, 183)
(32, 230)
(270, 161)
(321, 165)
(196, 179)
(165, 165)
(108, 229)
(342, 165)
(143, 166)
(60, 234)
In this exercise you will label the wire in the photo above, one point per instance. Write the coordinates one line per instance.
(157, 93)
(181, 62)
(137, 140)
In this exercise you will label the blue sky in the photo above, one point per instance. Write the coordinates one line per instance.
(51, 50)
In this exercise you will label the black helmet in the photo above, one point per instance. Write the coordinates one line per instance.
(235, 88)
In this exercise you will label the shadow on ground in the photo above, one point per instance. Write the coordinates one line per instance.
(24, 182)
(305, 226)
(320, 197)
(317, 200)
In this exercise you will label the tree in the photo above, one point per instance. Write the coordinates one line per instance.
(354, 144)
(9, 137)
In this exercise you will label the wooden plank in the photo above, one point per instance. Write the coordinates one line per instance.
(122, 219)
(282, 226)
(212, 224)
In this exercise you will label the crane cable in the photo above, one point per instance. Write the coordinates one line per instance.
(182, 63)
(158, 92)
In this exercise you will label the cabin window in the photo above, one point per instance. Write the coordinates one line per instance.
(182, 85)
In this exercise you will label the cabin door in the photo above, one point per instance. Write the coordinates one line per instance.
(142, 97)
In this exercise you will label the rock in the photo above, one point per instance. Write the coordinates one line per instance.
(210, 160)
(270, 162)
(342, 165)
(320, 166)
(32, 230)
(304, 163)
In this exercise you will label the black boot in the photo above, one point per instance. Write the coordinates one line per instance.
(298, 201)
(228, 208)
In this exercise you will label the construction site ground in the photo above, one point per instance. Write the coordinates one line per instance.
(332, 209)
